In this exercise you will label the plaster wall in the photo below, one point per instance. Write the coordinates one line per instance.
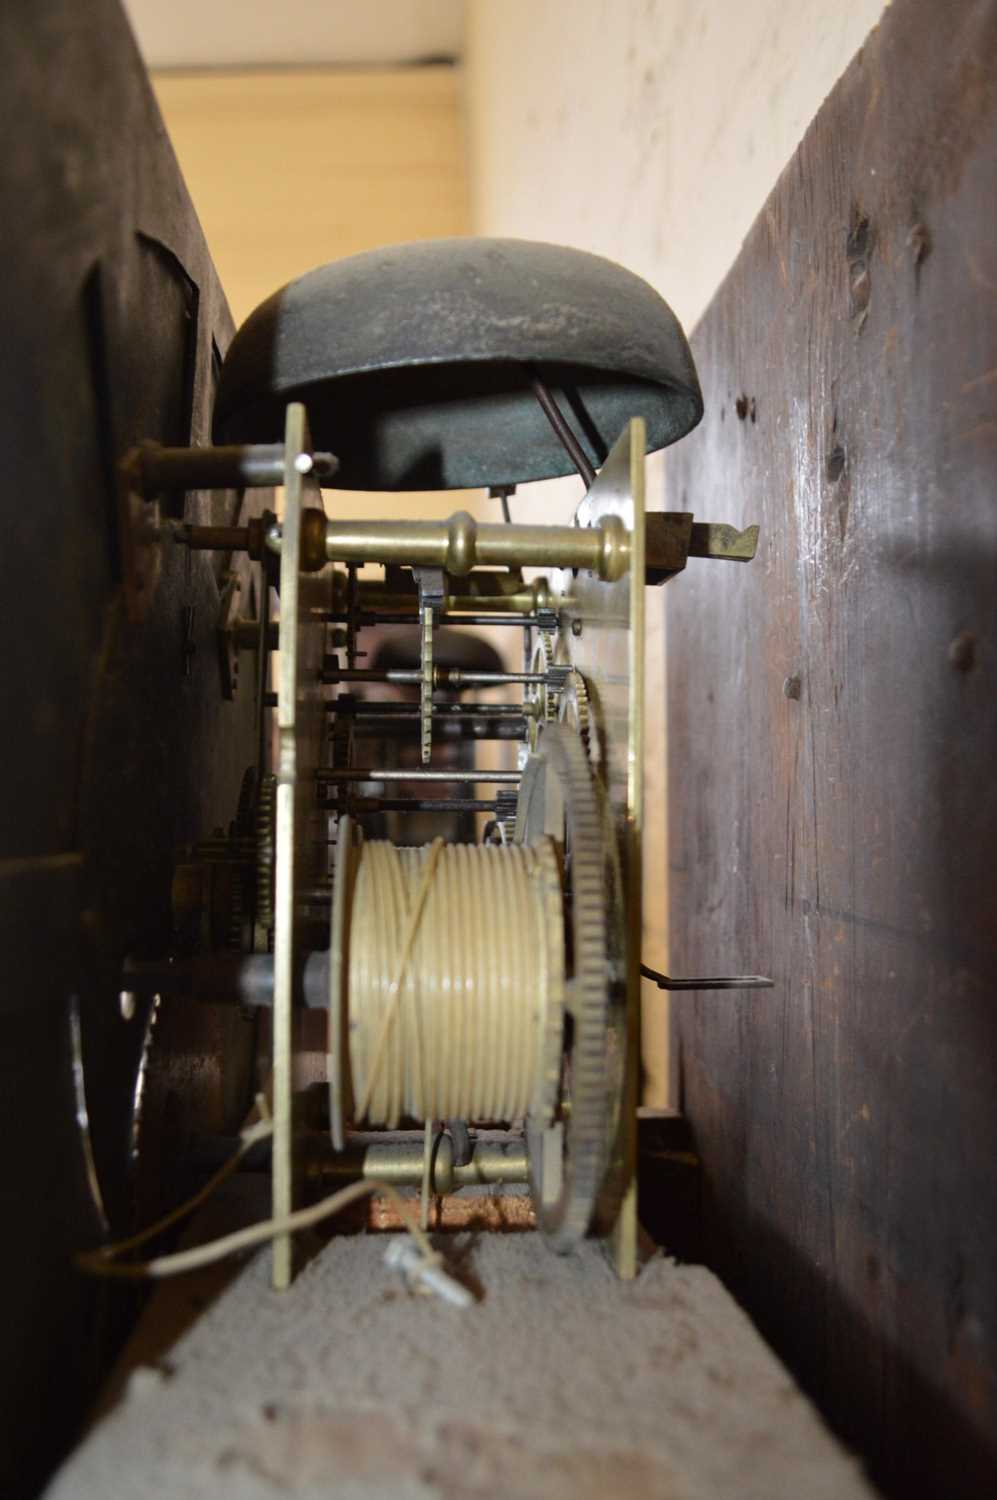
(650, 131)
(291, 168)
(297, 33)
(647, 130)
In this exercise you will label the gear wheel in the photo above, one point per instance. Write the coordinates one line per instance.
(266, 822)
(239, 875)
(541, 693)
(569, 1161)
(234, 936)
(575, 710)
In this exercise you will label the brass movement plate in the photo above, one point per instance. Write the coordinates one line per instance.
(602, 628)
(304, 598)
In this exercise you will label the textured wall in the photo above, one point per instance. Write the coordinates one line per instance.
(833, 717)
(650, 131)
(299, 33)
(117, 746)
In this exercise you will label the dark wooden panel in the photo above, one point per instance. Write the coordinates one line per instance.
(833, 723)
(112, 753)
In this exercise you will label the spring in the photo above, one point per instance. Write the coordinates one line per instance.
(456, 962)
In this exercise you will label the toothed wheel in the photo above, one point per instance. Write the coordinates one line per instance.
(240, 875)
(540, 693)
(235, 934)
(266, 815)
(570, 1159)
(575, 710)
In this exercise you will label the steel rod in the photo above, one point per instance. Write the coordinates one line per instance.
(568, 440)
(718, 982)
(365, 618)
(213, 538)
(243, 979)
(360, 773)
(237, 467)
(444, 677)
(397, 1159)
(368, 709)
(483, 590)
(416, 804)
(408, 726)
(264, 631)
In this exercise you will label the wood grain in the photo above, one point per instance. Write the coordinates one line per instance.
(117, 746)
(833, 722)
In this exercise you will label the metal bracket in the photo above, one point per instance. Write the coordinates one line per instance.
(716, 539)
(719, 982)
(673, 536)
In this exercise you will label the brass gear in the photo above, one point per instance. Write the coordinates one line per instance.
(266, 826)
(575, 710)
(569, 1160)
(236, 931)
(540, 693)
(547, 880)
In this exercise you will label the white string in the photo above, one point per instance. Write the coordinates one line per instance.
(394, 989)
(101, 1263)
(447, 1002)
(447, 985)
(104, 1260)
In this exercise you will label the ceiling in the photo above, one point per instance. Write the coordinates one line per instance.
(261, 33)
